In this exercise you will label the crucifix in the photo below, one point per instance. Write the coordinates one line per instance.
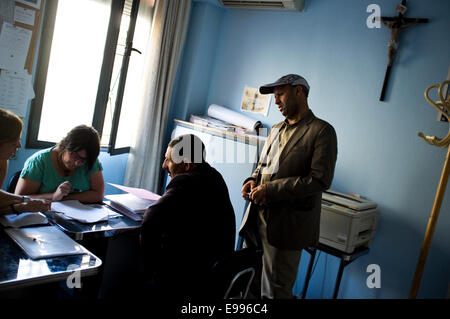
(396, 24)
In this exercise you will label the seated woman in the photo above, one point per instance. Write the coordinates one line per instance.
(10, 131)
(70, 170)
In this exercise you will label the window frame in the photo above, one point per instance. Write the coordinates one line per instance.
(103, 89)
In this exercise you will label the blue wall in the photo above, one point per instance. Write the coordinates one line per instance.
(380, 155)
(194, 75)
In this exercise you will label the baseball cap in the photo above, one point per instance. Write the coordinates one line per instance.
(292, 79)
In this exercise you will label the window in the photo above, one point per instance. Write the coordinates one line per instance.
(85, 74)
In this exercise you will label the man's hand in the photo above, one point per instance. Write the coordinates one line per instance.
(62, 190)
(258, 194)
(247, 188)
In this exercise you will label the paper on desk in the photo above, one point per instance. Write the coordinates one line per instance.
(24, 219)
(80, 212)
(138, 192)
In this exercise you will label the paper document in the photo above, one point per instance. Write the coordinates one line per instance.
(14, 44)
(32, 3)
(24, 219)
(81, 212)
(255, 102)
(15, 91)
(135, 204)
(24, 15)
(138, 192)
(129, 205)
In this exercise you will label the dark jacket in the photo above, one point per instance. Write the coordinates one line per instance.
(187, 230)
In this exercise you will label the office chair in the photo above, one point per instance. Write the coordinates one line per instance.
(13, 182)
(233, 274)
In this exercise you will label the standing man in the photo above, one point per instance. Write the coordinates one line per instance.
(190, 227)
(297, 164)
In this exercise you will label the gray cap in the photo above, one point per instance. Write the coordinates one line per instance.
(292, 79)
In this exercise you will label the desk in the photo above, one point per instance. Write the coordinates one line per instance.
(101, 239)
(346, 258)
(79, 231)
(18, 270)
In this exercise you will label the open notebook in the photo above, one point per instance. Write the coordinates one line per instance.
(44, 242)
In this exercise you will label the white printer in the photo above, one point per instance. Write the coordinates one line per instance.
(346, 221)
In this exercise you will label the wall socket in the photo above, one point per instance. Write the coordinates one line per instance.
(440, 117)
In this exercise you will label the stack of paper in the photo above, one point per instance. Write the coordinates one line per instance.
(134, 203)
(130, 205)
(83, 213)
(138, 192)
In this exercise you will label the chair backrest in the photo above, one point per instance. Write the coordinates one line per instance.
(233, 274)
(240, 284)
(13, 182)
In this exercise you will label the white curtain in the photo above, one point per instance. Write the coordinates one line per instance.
(168, 32)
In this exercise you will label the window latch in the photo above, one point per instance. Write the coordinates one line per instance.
(133, 49)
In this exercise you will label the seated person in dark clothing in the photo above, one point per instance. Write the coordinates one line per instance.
(190, 227)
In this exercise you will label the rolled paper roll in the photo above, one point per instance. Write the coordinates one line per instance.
(235, 118)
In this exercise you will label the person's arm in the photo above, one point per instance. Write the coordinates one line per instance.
(26, 186)
(151, 236)
(15, 204)
(6, 202)
(32, 175)
(320, 176)
(250, 182)
(157, 219)
(95, 194)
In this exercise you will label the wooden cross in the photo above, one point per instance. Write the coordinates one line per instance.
(396, 24)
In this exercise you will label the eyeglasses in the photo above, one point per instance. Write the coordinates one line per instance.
(77, 158)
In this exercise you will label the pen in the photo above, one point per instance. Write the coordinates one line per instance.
(38, 241)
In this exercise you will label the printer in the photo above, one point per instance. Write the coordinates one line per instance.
(346, 221)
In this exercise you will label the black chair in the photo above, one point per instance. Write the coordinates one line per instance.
(13, 182)
(233, 274)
